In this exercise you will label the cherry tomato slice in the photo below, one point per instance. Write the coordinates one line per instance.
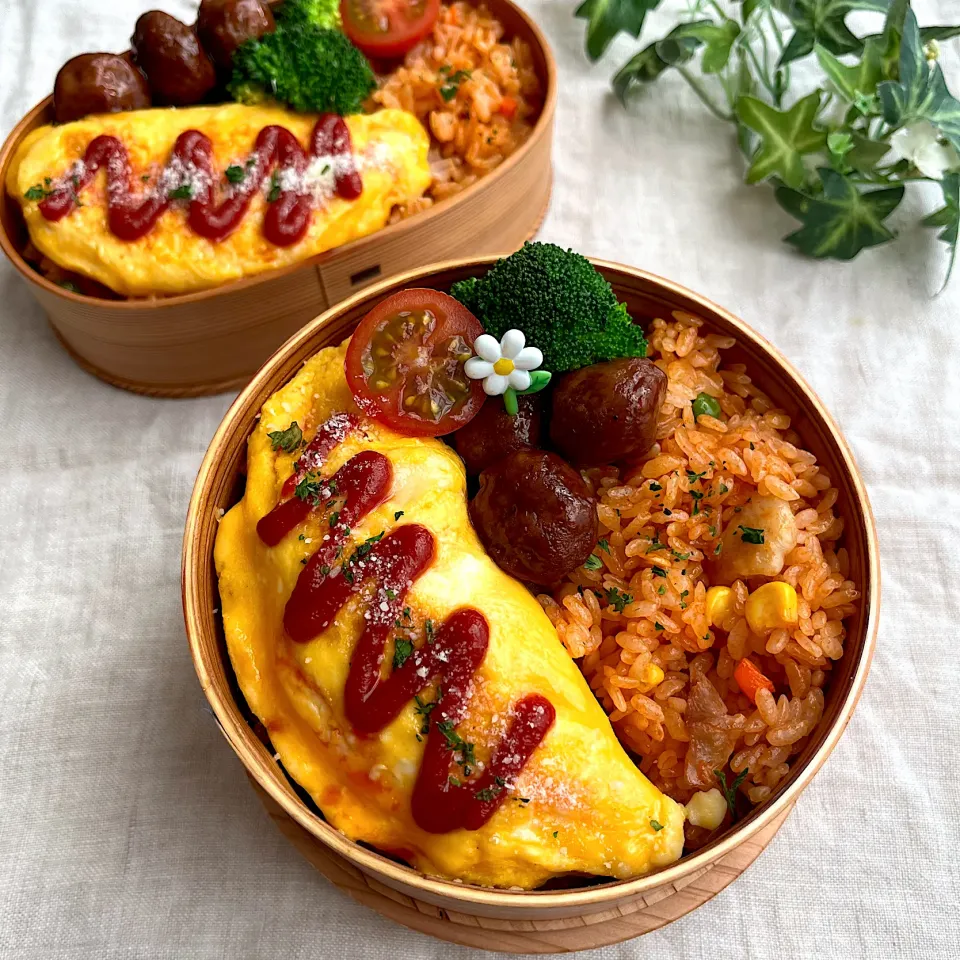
(405, 363)
(388, 28)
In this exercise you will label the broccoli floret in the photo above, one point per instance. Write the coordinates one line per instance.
(321, 13)
(561, 304)
(311, 69)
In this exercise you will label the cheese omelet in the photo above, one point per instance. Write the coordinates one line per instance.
(579, 805)
(389, 147)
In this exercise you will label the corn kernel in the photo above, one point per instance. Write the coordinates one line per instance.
(650, 677)
(720, 602)
(771, 606)
(707, 809)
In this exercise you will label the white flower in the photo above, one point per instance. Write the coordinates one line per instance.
(920, 144)
(504, 364)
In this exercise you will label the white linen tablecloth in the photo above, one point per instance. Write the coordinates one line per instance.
(127, 828)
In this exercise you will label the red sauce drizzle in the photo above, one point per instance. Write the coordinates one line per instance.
(292, 511)
(439, 804)
(287, 218)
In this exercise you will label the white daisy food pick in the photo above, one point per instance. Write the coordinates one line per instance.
(508, 368)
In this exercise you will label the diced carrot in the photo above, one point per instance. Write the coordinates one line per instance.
(750, 680)
(508, 107)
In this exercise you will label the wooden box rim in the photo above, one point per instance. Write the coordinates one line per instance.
(29, 121)
(444, 891)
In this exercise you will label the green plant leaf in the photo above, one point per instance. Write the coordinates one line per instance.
(921, 93)
(856, 81)
(841, 221)
(675, 49)
(890, 43)
(749, 6)
(938, 33)
(948, 217)
(718, 41)
(606, 18)
(823, 22)
(866, 153)
(784, 137)
(539, 379)
(839, 143)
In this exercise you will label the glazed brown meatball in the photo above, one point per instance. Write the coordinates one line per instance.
(493, 433)
(535, 516)
(223, 25)
(608, 411)
(98, 83)
(169, 53)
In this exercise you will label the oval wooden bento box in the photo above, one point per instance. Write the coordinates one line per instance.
(211, 341)
(500, 919)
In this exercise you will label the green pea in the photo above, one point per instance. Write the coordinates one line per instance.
(705, 405)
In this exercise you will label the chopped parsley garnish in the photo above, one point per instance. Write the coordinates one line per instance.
(724, 488)
(661, 590)
(694, 477)
(145, 177)
(402, 651)
(717, 549)
(398, 515)
(604, 545)
(654, 486)
(452, 82)
(657, 826)
(428, 629)
(301, 537)
(424, 710)
(593, 562)
(457, 743)
(183, 192)
(235, 174)
(655, 543)
(618, 600)
(523, 800)
(658, 627)
(347, 574)
(287, 440)
(309, 488)
(364, 548)
(680, 556)
(325, 569)
(453, 781)
(555, 833)
(659, 571)
(730, 792)
(334, 518)
(751, 534)
(489, 793)
(391, 594)
(36, 192)
(274, 193)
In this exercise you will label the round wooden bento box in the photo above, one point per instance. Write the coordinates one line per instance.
(212, 341)
(533, 921)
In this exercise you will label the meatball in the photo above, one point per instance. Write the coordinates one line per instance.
(742, 554)
(223, 25)
(535, 516)
(493, 433)
(98, 83)
(169, 53)
(607, 411)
